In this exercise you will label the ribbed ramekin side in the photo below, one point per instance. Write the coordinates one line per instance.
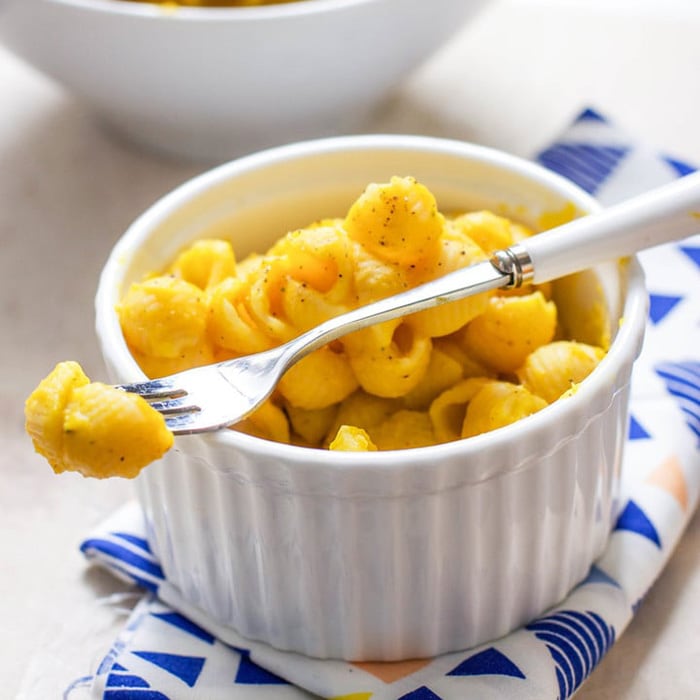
(192, 516)
(420, 540)
(239, 581)
(165, 497)
(302, 566)
(524, 539)
(318, 566)
(372, 577)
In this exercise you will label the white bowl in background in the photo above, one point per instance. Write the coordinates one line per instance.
(383, 555)
(214, 83)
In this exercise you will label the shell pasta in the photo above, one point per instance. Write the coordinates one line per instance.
(443, 374)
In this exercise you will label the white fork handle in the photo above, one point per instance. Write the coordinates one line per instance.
(669, 213)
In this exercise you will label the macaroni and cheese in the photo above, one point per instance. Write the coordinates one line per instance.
(450, 372)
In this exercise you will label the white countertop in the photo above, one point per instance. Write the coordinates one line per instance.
(68, 190)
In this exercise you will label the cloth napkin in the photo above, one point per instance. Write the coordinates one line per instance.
(167, 651)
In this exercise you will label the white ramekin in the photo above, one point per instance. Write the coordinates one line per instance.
(390, 555)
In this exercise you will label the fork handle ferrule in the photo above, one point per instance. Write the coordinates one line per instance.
(514, 262)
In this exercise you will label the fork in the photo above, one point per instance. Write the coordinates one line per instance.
(215, 396)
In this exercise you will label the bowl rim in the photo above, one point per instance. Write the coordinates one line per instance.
(153, 10)
(623, 349)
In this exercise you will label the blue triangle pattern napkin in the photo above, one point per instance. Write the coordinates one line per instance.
(166, 652)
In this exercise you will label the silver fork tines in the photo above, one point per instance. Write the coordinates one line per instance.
(166, 398)
(174, 406)
(154, 389)
(181, 423)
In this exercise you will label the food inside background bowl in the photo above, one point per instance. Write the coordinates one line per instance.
(382, 555)
(211, 83)
(215, 3)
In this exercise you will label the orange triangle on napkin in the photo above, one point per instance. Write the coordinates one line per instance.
(669, 477)
(392, 671)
